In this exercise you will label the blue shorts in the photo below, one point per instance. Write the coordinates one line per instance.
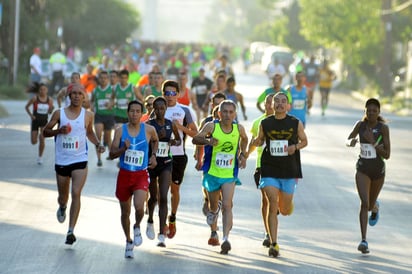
(284, 185)
(212, 183)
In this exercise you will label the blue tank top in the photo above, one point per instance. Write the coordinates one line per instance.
(136, 157)
(299, 104)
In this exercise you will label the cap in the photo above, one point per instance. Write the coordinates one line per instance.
(201, 69)
(372, 101)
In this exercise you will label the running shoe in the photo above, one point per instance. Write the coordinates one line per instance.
(274, 250)
(161, 239)
(225, 247)
(373, 219)
(214, 239)
(172, 228)
(363, 247)
(40, 161)
(211, 217)
(70, 238)
(205, 208)
(137, 236)
(61, 214)
(266, 241)
(99, 163)
(128, 253)
(150, 233)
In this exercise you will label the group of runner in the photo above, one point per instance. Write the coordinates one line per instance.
(152, 156)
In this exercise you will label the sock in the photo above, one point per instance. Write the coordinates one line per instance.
(225, 238)
(70, 231)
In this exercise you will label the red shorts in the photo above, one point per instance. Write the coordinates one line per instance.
(130, 181)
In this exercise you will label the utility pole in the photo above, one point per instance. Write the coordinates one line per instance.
(386, 79)
(16, 42)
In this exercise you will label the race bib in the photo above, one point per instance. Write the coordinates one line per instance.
(224, 160)
(201, 89)
(278, 147)
(134, 157)
(298, 104)
(122, 103)
(102, 103)
(367, 151)
(162, 149)
(43, 108)
(70, 143)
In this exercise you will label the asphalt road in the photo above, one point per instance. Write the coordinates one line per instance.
(320, 237)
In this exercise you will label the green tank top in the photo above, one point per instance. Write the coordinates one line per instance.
(123, 97)
(156, 93)
(102, 97)
(224, 160)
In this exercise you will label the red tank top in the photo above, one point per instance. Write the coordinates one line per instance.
(185, 99)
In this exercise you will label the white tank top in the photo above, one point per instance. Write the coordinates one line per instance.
(71, 148)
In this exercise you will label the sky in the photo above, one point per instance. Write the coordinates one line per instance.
(172, 20)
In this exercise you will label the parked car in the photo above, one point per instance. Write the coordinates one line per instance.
(283, 54)
(46, 76)
(256, 51)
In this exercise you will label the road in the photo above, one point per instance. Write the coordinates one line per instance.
(320, 237)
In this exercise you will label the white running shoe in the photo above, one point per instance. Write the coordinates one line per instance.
(40, 161)
(138, 240)
(211, 217)
(161, 239)
(150, 233)
(128, 253)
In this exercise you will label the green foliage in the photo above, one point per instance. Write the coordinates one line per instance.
(12, 92)
(101, 22)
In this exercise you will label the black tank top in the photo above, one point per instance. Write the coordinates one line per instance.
(164, 132)
(279, 134)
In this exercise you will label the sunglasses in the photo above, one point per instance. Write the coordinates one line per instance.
(170, 93)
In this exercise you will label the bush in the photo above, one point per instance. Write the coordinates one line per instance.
(17, 92)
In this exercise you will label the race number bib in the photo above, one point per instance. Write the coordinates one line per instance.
(42, 108)
(70, 143)
(102, 103)
(162, 149)
(367, 151)
(201, 89)
(298, 104)
(134, 157)
(122, 103)
(278, 147)
(224, 160)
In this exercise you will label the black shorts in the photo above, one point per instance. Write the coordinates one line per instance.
(324, 90)
(66, 171)
(106, 120)
(179, 166)
(164, 163)
(120, 120)
(38, 123)
(373, 168)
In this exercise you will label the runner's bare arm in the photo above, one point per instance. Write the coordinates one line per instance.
(203, 137)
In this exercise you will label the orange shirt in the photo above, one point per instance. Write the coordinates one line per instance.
(184, 98)
(89, 82)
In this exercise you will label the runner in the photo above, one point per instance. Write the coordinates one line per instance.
(161, 175)
(71, 152)
(226, 152)
(326, 78)
(375, 146)
(312, 78)
(276, 87)
(131, 143)
(124, 93)
(184, 120)
(201, 86)
(63, 95)
(199, 158)
(236, 97)
(42, 107)
(280, 163)
(255, 128)
(299, 98)
(102, 105)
